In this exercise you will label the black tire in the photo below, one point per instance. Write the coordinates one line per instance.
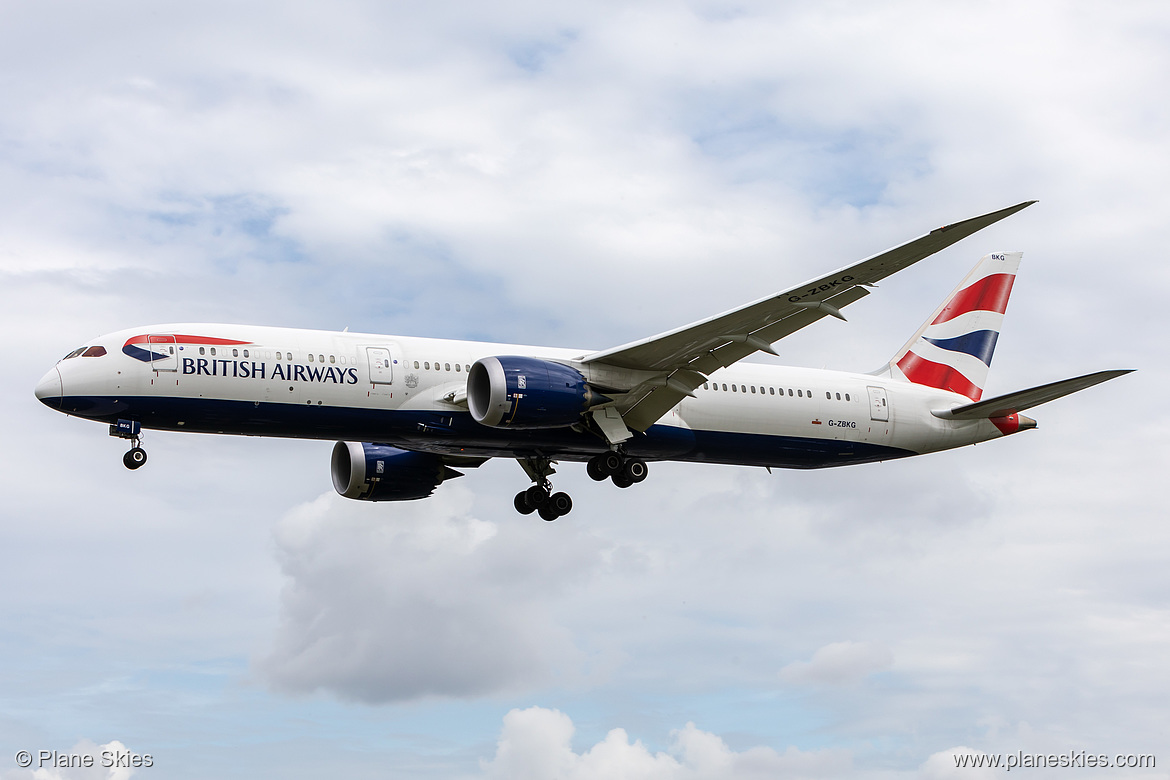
(135, 458)
(635, 470)
(595, 470)
(611, 463)
(536, 496)
(621, 480)
(548, 513)
(561, 503)
(521, 503)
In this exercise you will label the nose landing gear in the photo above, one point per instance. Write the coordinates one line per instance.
(132, 430)
(135, 458)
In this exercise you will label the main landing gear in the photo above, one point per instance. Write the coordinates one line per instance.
(622, 469)
(132, 430)
(540, 497)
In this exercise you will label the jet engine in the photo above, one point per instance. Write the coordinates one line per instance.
(527, 393)
(377, 472)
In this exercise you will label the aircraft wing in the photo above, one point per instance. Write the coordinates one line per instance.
(682, 358)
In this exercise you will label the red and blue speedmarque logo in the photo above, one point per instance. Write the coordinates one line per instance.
(150, 340)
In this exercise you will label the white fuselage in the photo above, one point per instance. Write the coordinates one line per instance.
(411, 392)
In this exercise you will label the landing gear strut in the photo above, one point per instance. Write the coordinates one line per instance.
(132, 430)
(540, 497)
(622, 469)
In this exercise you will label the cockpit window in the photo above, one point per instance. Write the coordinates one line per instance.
(94, 352)
(75, 353)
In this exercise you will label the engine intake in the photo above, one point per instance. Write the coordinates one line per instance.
(523, 392)
(377, 472)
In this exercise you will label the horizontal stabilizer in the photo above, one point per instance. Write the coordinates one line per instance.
(1018, 401)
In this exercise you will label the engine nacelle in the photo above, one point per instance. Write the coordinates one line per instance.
(377, 472)
(525, 392)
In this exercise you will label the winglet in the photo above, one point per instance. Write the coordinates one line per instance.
(978, 223)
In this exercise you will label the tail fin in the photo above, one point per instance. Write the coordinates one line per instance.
(953, 349)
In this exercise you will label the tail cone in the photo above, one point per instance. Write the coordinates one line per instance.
(1013, 423)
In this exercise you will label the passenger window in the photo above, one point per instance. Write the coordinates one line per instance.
(245, 353)
(799, 394)
(213, 351)
(278, 357)
(467, 366)
(202, 351)
(771, 391)
(828, 396)
(447, 366)
(310, 357)
(427, 365)
(838, 396)
(332, 360)
(753, 389)
(94, 352)
(416, 364)
(288, 356)
(705, 386)
(458, 368)
(847, 396)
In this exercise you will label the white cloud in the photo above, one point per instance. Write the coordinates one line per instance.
(840, 663)
(942, 766)
(404, 600)
(536, 744)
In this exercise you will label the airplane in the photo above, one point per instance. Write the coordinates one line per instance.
(407, 412)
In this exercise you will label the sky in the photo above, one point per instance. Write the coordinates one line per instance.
(584, 175)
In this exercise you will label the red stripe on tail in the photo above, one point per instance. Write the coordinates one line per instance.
(921, 371)
(988, 294)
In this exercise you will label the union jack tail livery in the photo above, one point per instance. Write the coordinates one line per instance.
(953, 350)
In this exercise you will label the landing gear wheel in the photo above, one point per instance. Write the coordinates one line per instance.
(548, 513)
(611, 463)
(134, 458)
(621, 480)
(560, 503)
(536, 496)
(635, 470)
(521, 503)
(595, 469)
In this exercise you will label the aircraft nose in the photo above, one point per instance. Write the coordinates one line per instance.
(48, 389)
